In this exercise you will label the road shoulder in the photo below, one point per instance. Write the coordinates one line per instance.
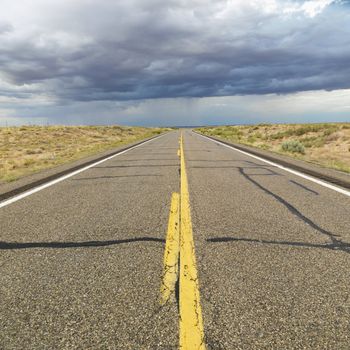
(26, 183)
(330, 175)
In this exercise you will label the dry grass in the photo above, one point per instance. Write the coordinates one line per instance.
(28, 149)
(326, 144)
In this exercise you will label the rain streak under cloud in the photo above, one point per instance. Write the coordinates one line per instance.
(174, 62)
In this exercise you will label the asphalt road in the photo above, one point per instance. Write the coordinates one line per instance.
(81, 262)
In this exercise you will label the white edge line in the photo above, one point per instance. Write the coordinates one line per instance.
(307, 177)
(64, 177)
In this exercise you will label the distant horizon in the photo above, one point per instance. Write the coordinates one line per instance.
(168, 126)
(174, 63)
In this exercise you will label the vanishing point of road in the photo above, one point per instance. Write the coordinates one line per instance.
(180, 242)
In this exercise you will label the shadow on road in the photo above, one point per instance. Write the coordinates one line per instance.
(144, 159)
(26, 245)
(135, 166)
(268, 169)
(113, 177)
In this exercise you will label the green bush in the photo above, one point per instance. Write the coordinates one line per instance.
(293, 146)
(329, 131)
(313, 141)
(251, 139)
(278, 135)
(265, 146)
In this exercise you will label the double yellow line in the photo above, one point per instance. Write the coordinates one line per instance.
(180, 265)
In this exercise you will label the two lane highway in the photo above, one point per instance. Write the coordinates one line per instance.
(81, 262)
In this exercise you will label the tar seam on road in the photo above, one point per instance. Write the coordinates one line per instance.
(304, 187)
(84, 244)
(191, 321)
(307, 177)
(64, 177)
(171, 253)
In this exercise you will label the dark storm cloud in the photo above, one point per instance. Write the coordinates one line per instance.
(106, 50)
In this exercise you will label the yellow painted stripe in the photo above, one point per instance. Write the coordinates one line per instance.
(191, 321)
(171, 254)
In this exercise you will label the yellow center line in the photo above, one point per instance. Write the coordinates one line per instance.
(191, 321)
(180, 247)
(171, 254)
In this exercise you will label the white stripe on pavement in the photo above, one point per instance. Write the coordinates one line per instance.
(64, 177)
(307, 177)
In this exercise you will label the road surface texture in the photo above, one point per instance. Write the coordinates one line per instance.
(81, 262)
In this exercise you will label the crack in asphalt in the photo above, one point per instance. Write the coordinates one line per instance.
(336, 243)
(345, 247)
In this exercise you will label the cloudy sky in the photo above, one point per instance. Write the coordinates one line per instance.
(174, 62)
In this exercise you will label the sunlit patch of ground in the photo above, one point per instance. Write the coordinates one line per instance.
(29, 149)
